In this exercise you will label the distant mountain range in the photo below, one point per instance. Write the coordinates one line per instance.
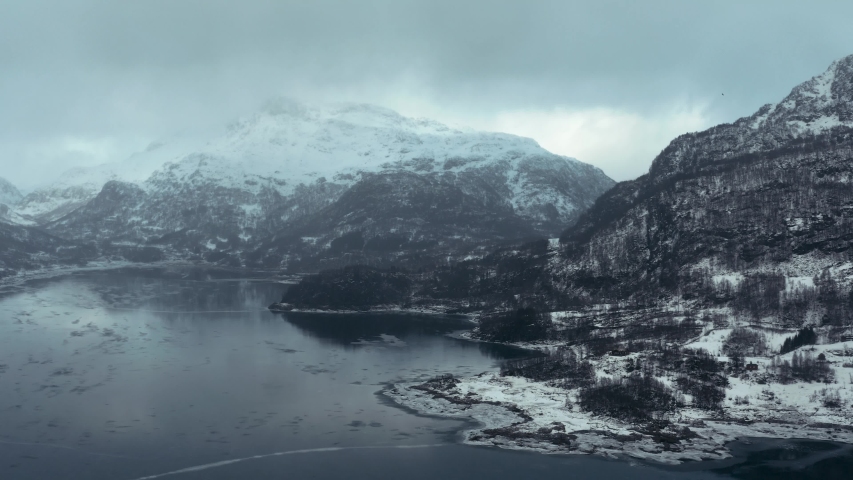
(302, 187)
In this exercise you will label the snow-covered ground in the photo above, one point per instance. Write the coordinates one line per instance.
(518, 413)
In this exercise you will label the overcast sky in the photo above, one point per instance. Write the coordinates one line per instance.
(84, 82)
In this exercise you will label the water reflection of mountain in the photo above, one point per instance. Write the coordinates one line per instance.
(504, 352)
(178, 290)
(348, 329)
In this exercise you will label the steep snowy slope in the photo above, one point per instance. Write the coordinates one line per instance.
(733, 219)
(273, 174)
(814, 108)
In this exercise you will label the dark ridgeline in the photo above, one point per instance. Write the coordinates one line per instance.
(721, 219)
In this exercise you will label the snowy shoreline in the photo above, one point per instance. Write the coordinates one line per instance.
(519, 414)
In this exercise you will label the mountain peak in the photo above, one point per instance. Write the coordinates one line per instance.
(324, 139)
(814, 106)
(288, 143)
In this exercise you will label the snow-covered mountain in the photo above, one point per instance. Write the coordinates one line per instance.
(292, 176)
(289, 144)
(816, 107)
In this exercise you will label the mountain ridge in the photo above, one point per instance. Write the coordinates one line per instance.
(309, 141)
(239, 199)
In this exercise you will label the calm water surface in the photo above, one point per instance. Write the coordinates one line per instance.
(132, 374)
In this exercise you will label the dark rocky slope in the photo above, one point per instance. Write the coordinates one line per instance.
(26, 248)
(400, 218)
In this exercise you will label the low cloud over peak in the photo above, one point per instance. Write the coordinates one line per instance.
(607, 82)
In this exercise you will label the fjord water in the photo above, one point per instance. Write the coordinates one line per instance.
(137, 374)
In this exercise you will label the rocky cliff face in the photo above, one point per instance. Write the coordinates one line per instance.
(814, 108)
(768, 196)
(287, 188)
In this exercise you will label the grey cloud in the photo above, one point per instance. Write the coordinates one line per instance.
(144, 69)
